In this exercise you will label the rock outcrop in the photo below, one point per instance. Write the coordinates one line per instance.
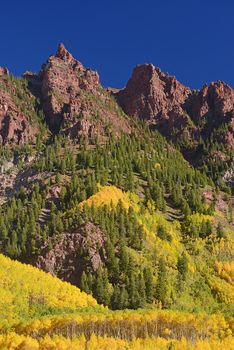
(72, 252)
(151, 94)
(15, 126)
(74, 101)
(215, 100)
(175, 110)
(213, 107)
(72, 98)
(157, 98)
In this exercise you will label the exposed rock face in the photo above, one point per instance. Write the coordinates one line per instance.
(73, 100)
(3, 71)
(212, 105)
(15, 127)
(151, 94)
(34, 83)
(174, 109)
(156, 97)
(76, 105)
(215, 100)
(66, 258)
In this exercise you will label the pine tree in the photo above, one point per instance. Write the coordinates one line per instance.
(99, 287)
(112, 262)
(220, 231)
(185, 208)
(161, 286)
(123, 257)
(115, 298)
(84, 285)
(141, 290)
(206, 228)
(134, 297)
(149, 287)
(102, 289)
(123, 298)
(182, 266)
(163, 234)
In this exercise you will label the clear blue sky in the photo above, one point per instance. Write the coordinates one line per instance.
(192, 39)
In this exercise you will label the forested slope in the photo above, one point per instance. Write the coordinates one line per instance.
(97, 199)
(137, 223)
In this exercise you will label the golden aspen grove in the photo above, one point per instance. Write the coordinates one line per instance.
(52, 314)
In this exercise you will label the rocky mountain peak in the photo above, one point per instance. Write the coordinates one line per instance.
(76, 105)
(73, 99)
(184, 116)
(63, 53)
(151, 94)
(214, 102)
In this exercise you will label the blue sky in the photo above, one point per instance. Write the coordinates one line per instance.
(192, 39)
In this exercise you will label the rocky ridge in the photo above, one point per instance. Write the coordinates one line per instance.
(74, 102)
(177, 111)
(76, 105)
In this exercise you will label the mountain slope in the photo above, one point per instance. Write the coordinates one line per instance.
(114, 243)
(97, 199)
(116, 214)
(75, 105)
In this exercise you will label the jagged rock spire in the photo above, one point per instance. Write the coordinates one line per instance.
(63, 53)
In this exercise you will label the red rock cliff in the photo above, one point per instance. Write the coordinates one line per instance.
(73, 100)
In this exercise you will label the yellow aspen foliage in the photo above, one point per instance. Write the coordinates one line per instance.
(128, 324)
(108, 195)
(14, 341)
(225, 270)
(25, 289)
(223, 290)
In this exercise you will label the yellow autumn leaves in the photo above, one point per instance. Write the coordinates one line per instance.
(13, 341)
(23, 287)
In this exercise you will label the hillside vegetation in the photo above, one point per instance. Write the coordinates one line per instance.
(162, 240)
(27, 292)
(52, 314)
